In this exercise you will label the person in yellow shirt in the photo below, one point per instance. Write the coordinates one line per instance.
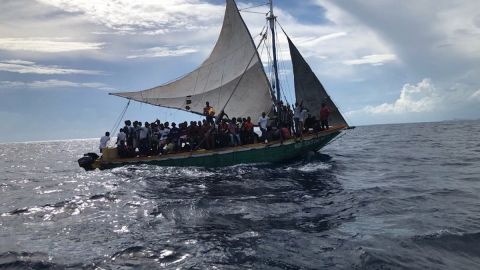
(209, 112)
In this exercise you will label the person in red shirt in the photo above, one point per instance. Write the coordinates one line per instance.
(248, 131)
(324, 114)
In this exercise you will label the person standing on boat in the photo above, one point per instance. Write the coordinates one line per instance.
(104, 141)
(121, 143)
(128, 130)
(301, 121)
(142, 138)
(249, 133)
(121, 137)
(263, 124)
(296, 117)
(209, 112)
(324, 114)
(234, 133)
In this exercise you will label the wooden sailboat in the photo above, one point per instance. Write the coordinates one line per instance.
(233, 79)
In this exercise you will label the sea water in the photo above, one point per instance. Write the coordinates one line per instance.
(380, 197)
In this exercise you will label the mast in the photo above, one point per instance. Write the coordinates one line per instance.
(272, 20)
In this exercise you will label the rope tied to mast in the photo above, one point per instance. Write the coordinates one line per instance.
(120, 118)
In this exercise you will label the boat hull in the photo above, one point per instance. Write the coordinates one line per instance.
(255, 153)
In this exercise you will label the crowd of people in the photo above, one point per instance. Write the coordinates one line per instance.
(157, 138)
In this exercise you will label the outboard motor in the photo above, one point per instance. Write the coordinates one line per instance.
(87, 161)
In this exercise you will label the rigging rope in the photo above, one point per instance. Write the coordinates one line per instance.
(283, 66)
(119, 119)
(253, 7)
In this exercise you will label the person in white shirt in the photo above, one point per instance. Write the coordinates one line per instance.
(104, 141)
(121, 137)
(301, 121)
(296, 117)
(263, 124)
(143, 135)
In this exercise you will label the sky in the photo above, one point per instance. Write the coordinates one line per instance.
(382, 61)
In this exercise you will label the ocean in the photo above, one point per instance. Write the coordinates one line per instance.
(403, 196)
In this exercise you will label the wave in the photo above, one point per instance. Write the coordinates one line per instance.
(26, 260)
(455, 242)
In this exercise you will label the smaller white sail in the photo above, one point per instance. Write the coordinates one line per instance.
(233, 67)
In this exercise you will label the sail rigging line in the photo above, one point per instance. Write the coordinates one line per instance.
(270, 65)
(256, 12)
(120, 118)
(285, 77)
(242, 9)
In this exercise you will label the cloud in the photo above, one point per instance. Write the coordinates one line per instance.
(47, 45)
(475, 96)
(424, 97)
(431, 38)
(328, 47)
(374, 59)
(49, 84)
(148, 16)
(164, 52)
(24, 67)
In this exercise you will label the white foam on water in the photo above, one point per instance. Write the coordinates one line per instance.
(124, 229)
(191, 242)
(312, 167)
(165, 253)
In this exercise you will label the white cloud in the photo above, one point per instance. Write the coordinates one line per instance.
(424, 97)
(25, 67)
(374, 59)
(476, 95)
(147, 16)
(48, 45)
(164, 52)
(49, 84)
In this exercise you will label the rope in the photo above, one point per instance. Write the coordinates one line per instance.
(253, 7)
(119, 119)
(286, 82)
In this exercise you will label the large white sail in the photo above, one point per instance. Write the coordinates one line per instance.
(216, 79)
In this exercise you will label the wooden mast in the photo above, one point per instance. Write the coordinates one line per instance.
(271, 18)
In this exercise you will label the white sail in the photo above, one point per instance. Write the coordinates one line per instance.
(217, 78)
